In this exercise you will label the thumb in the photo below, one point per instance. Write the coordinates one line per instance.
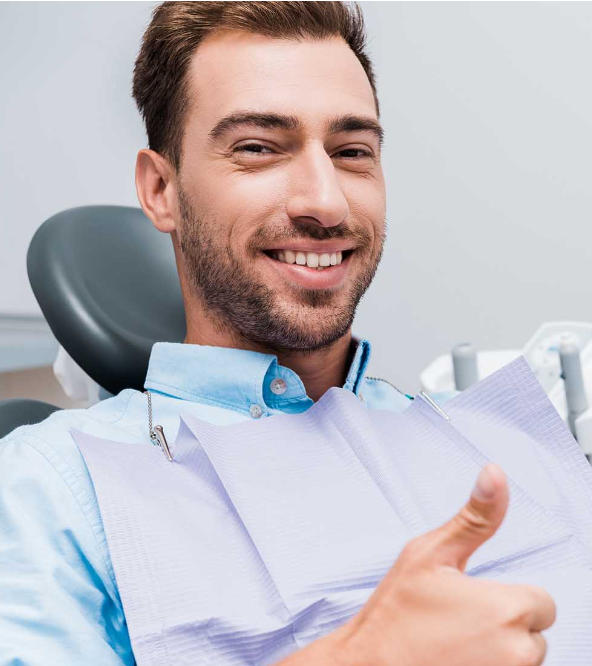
(476, 522)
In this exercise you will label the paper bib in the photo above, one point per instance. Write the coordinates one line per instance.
(265, 535)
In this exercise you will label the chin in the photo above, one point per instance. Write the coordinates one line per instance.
(301, 300)
(300, 328)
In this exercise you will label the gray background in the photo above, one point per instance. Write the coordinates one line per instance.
(487, 109)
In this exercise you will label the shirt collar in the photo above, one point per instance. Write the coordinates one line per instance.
(237, 378)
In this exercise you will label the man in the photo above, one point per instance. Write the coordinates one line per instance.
(264, 166)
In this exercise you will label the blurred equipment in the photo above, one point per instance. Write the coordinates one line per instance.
(575, 392)
(559, 354)
(107, 283)
(464, 363)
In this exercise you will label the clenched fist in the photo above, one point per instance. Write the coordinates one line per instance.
(426, 611)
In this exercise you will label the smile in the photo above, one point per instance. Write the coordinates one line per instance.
(317, 260)
(312, 270)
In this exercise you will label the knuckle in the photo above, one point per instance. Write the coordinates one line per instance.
(542, 599)
(535, 592)
(538, 599)
(520, 604)
(521, 607)
(512, 611)
(469, 520)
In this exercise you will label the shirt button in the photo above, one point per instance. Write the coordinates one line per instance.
(278, 386)
(255, 411)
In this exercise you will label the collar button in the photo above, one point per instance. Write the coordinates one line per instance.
(278, 386)
(255, 411)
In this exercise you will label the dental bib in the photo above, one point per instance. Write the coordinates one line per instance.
(263, 536)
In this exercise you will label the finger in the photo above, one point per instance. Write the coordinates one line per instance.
(543, 610)
(454, 542)
(539, 648)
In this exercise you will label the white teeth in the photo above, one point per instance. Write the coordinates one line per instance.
(312, 259)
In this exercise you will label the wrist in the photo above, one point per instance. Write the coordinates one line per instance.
(330, 650)
(341, 647)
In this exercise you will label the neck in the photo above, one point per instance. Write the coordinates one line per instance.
(319, 370)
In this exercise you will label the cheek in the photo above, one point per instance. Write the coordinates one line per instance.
(375, 210)
(370, 216)
(366, 193)
(247, 208)
(258, 200)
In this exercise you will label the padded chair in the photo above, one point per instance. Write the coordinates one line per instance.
(107, 283)
(17, 412)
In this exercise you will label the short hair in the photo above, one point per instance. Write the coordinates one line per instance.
(160, 86)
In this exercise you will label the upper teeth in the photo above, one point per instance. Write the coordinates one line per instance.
(311, 259)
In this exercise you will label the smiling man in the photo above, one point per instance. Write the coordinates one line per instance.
(274, 193)
(264, 166)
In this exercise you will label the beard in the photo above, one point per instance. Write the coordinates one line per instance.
(238, 302)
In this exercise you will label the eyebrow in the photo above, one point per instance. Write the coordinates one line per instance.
(345, 123)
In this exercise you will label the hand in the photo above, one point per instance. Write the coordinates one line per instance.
(426, 611)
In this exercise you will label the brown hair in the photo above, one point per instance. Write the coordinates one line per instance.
(177, 28)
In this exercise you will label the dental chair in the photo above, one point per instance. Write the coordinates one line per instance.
(107, 284)
(16, 412)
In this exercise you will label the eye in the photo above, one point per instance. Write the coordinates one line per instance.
(364, 153)
(252, 148)
(259, 148)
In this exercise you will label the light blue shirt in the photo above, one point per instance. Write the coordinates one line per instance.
(59, 602)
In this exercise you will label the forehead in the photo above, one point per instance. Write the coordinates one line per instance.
(312, 79)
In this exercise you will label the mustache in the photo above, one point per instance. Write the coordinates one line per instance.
(265, 236)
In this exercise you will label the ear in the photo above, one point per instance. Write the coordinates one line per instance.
(157, 190)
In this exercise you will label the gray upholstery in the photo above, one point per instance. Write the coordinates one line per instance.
(17, 412)
(107, 284)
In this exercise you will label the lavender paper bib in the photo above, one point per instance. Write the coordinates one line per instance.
(262, 536)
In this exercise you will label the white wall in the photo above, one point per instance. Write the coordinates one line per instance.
(488, 115)
(69, 128)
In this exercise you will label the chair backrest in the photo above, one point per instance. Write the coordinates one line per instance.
(17, 412)
(107, 283)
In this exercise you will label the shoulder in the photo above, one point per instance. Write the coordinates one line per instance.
(50, 522)
(51, 437)
(44, 461)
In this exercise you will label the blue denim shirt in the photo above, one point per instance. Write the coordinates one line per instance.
(59, 602)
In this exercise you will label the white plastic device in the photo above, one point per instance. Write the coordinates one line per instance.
(542, 354)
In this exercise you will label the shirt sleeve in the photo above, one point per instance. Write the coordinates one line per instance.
(58, 600)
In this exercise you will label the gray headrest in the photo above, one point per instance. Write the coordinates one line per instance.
(107, 283)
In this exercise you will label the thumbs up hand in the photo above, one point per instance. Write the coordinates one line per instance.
(426, 611)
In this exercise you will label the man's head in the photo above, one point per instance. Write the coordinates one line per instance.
(263, 119)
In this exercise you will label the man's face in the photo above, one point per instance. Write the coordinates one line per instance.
(282, 217)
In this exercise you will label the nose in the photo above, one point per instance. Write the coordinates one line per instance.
(315, 193)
